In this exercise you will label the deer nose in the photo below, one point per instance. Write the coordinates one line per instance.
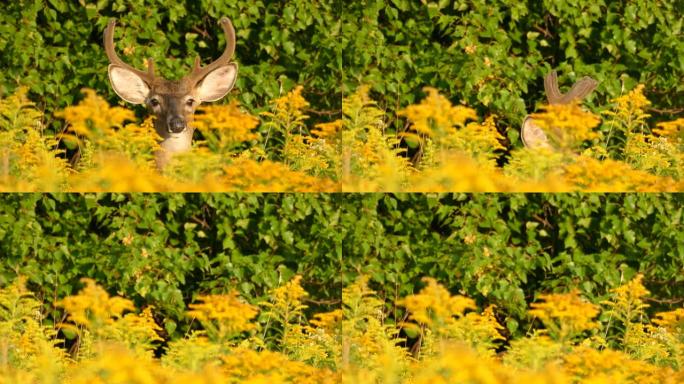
(176, 125)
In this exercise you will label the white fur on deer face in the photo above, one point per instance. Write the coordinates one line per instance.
(173, 103)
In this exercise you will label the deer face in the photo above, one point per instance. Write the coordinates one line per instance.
(173, 102)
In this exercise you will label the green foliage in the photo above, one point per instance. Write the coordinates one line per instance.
(492, 55)
(55, 47)
(497, 249)
(503, 249)
(165, 249)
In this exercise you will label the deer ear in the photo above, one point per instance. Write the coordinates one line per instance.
(128, 85)
(217, 83)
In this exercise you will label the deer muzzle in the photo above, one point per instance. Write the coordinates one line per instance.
(177, 124)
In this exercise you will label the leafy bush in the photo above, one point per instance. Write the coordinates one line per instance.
(493, 55)
(115, 347)
(503, 249)
(451, 152)
(117, 155)
(163, 250)
(55, 47)
(452, 340)
(498, 249)
(455, 342)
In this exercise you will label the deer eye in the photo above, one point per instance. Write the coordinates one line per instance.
(190, 102)
(154, 102)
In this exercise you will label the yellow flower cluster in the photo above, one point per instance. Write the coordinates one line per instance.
(440, 317)
(609, 366)
(627, 302)
(589, 174)
(630, 108)
(442, 151)
(118, 173)
(268, 367)
(28, 158)
(317, 155)
(230, 315)
(93, 117)
(671, 129)
(93, 306)
(244, 174)
(672, 320)
(366, 349)
(286, 301)
(288, 110)
(235, 126)
(434, 305)
(116, 153)
(120, 348)
(328, 130)
(654, 154)
(567, 126)
(328, 320)
(436, 117)
(652, 357)
(565, 315)
(371, 160)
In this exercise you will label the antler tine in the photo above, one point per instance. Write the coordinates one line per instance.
(115, 59)
(150, 66)
(198, 72)
(580, 90)
(553, 94)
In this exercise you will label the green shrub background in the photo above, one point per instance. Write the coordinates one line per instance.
(503, 249)
(164, 249)
(397, 46)
(400, 46)
(55, 47)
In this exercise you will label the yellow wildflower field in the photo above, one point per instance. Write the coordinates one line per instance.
(445, 338)
(442, 338)
(444, 147)
(114, 152)
(113, 342)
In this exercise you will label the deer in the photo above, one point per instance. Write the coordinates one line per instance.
(532, 136)
(173, 103)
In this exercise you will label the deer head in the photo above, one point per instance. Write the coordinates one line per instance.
(173, 102)
(533, 136)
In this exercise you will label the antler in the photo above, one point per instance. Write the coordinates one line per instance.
(198, 73)
(533, 136)
(578, 91)
(114, 58)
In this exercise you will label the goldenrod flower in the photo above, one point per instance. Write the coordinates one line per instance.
(226, 315)
(436, 117)
(285, 305)
(328, 130)
(93, 307)
(671, 129)
(288, 111)
(632, 105)
(93, 116)
(672, 320)
(566, 125)
(328, 320)
(565, 315)
(434, 305)
(626, 302)
(232, 125)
